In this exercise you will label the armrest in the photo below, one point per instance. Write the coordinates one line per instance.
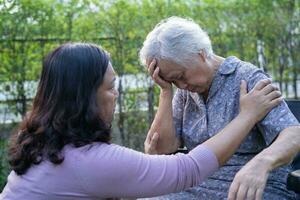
(293, 181)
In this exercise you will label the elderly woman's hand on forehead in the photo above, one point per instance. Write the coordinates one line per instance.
(153, 70)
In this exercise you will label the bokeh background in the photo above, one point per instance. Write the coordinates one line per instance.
(264, 32)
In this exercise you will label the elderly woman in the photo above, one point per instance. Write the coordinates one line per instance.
(62, 150)
(178, 51)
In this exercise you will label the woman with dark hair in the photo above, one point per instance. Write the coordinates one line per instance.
(63, 150)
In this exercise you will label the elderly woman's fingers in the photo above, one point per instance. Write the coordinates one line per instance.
(153, 143)
(251, 194)
(161, 82)
(151, 67)
(147, 142)
(158, 79)
(241, 194)
(269, 88)
(153, 70)
(150, 143)
(156, 76)
(234, 187)
(148, 138)
(261, 84)
(259, 194)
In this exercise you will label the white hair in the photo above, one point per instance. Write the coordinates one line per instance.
(175, 39)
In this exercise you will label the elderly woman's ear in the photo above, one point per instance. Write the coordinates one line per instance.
(202, 55)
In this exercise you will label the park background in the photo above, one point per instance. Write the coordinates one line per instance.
(263, 32)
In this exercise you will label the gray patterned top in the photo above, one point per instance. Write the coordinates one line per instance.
(196, 121)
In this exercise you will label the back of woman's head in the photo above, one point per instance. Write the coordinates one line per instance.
(65, 109)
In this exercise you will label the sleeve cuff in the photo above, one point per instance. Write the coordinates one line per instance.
(206, 159)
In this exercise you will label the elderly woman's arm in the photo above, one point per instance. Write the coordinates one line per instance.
(250, 181)
(161, 138)
(280, 131)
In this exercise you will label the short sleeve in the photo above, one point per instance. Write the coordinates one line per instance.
(278, 118)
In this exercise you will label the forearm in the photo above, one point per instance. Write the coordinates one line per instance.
(282, 151)
(163, 124)
(225, 143)
(149, 175)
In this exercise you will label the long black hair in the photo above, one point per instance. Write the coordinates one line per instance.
(65, 109)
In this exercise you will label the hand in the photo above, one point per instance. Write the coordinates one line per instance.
(250, 181)
(150, 143)
(260, 100)
(154, 73)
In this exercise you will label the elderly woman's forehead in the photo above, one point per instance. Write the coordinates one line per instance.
(168, 72)
(169, 65)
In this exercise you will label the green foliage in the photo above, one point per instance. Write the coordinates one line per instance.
(5, 131)
(4, 169)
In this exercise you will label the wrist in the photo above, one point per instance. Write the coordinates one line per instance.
(265, 163)
(247, 118)
(166, 92)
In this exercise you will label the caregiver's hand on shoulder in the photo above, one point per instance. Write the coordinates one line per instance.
(260, 100)
(153, 71)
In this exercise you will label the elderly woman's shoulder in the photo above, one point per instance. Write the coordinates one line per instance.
(247, 67)
(250, 73)
(248, 70)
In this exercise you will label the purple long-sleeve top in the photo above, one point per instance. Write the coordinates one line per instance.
(104, 170)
